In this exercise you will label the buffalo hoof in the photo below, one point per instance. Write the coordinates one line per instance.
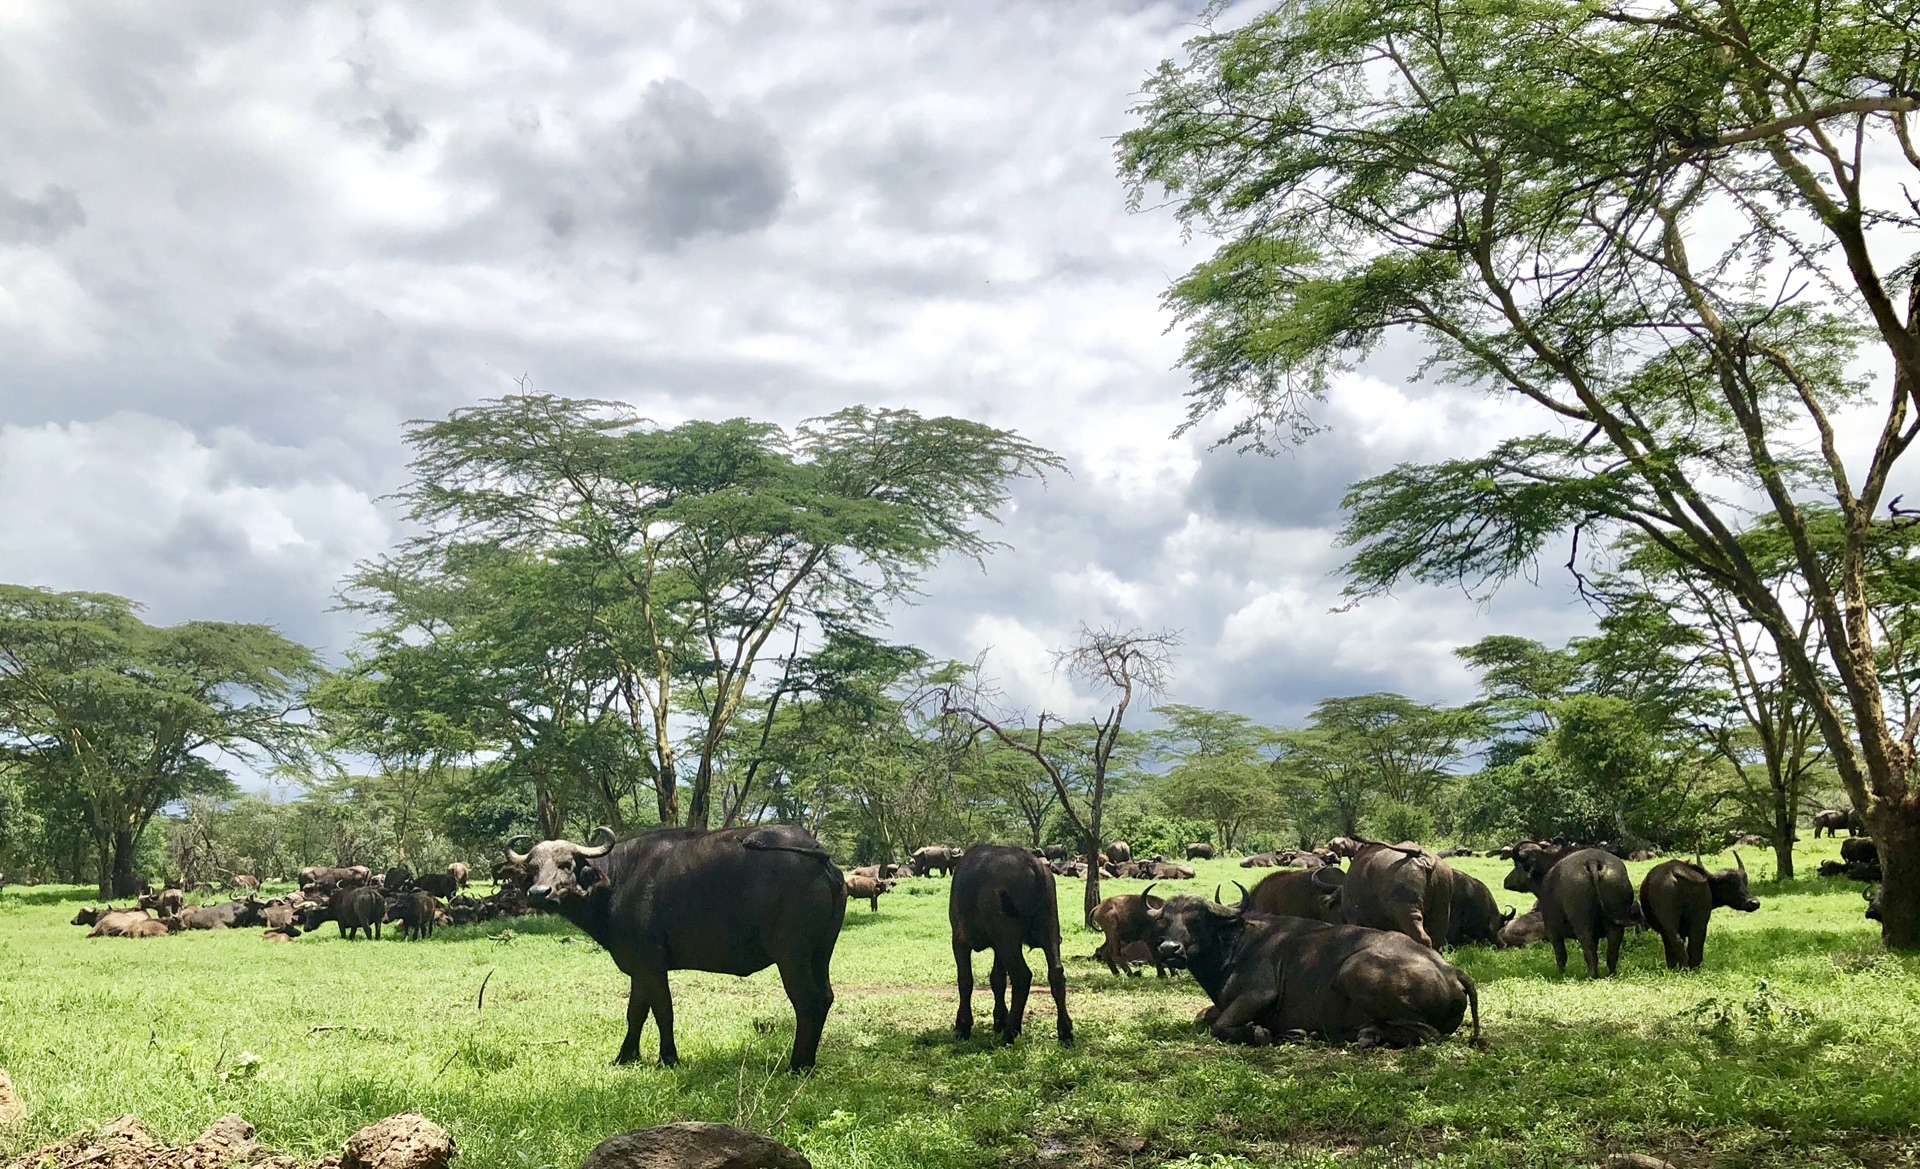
(1206, 1017)
(1066, 1036)
(1294, 1035)
(1258, 1036)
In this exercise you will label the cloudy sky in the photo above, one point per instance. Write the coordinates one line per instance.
(241, 244)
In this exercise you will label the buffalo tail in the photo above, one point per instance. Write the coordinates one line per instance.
(1473, 1005)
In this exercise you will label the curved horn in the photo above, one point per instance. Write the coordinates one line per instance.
(1741, 863)
(603, 848)
(1216, 894)
(1319, 879)
(1507, 918)
(518, 858)
(1144, 898)
(1246, 897)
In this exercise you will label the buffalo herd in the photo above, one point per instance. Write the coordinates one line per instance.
(1343, 943)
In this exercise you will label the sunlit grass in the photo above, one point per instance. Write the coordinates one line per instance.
(1820, 1066)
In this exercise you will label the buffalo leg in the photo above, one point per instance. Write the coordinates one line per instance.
(1022, 976)
(963, 1022)
(637, 1008)
(1234, 1023)
(1057, 985)
(1676, 950)
(1614, 934)
(999, 981)
(1696, 945)
(661, 996)
(810, 990)
(1559, 951)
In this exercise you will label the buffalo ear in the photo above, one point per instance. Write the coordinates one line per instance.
(590, 878)
(1223, 911)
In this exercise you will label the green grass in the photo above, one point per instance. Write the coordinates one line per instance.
(1798, 1044)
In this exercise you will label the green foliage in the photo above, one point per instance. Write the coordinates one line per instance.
(110, 716)
(584, 572)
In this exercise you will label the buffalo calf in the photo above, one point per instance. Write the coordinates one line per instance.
(1003, 900)
(1679, 896)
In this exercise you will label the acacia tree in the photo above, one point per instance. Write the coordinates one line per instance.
(698, 543)
(120, 718)
(1667, 230)
(1219, 768)
(1122, 665)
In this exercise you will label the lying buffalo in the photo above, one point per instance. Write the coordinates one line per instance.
(1678, 897)
(1289, 978)
(1400, 887)
(1862, 859)
(1261, 860)
(1125, 922)
(1584, 895)
(1200, 852)
(1529, 929)
(733, 901)
(230, 915)
(1310, 893)
(1003, 900)
(114, 923)
(1476, 919)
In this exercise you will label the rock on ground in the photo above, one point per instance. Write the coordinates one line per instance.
(126, 1144)
(407, 1141)
(693, 1144)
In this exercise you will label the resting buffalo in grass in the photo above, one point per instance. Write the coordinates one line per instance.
(1261, 860)
(1400, 887)
(166, 902)
(1290, 978)
(1476, 919)
(734, 902)
(230, 915)
(1679, 896)
(1310, 893)
(1861, 858)
(1584, 895)
(1529, 929)
(114, 923)
(1003, 900)
(1125, 922)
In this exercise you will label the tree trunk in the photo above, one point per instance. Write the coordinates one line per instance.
(1093, 861)
(1783, 839)
(543, 811)
(666, 794)
(1896, 834)
(697, 798)
(125, 882)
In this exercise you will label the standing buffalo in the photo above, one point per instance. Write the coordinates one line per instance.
(359, 912)
(1200, 852)
(935, 856)
(459, 872)
(1584, 895)
(1831, 821)
(1003, 900)
(1289, 978)
(1310, 893)
(1056, 852)
(868, 889)
(1679, 896)
(1117, 852)
(733, 901)
(1476, 919)
(1400, 887)
(1129, 932)
(416, 912)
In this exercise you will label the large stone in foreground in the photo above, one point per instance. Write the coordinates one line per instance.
(406, 1141)
(693, 1144)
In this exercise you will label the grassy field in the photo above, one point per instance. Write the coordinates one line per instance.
(1798, 1044)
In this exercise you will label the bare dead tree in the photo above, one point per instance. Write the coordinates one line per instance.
(1122, 665)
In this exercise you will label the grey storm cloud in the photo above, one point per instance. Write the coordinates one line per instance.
(41, 220)
(689, 170)
(304, 225)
